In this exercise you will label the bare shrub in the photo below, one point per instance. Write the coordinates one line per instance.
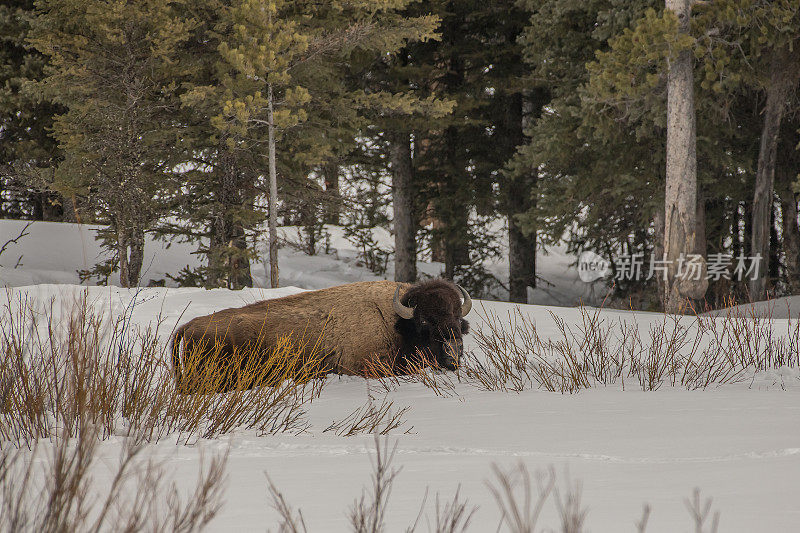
(58, 495)
(520, 498)
(291, 521)
(15, 240)
(521, 512)
(421, 371)
(701, 512)
(368, 514)
(748, 339)
(520, 508)
(693, 353)
(55, 370)
(453, 516)
(370, 418)
(570, 509)
(507, 348)
(641, 524)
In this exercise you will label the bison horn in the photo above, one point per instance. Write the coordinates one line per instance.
(466, 307)
(402, 310)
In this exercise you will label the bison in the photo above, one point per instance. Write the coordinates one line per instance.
(402, 325)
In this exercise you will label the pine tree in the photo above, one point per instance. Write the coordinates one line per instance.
(306, 51)
(600, 146)
(511, 106)
(450, 163)
(111, 67)
(776, 29)
(27, 152)
(586, 167)
(239, 50)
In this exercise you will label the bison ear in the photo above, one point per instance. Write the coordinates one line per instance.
(464, 327)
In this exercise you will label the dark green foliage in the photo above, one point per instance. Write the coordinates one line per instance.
(112, 68)
(546, 115)
(599, 145)
(25, 120)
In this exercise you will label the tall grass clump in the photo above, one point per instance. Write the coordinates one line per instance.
(57, 368)
(419, 370)
(690, 352)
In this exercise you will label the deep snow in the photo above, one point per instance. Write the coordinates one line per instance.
(739, 443)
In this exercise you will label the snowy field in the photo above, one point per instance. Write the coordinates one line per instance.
(738, 442)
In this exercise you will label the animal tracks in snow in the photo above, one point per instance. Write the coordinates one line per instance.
(284, 449)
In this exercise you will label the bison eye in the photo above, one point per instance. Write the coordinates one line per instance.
(424, 323)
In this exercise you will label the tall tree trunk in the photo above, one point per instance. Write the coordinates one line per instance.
(438, 250)
(454, 207)
(239, 262)
(784, 76)
(786, 172)
(747, 229)
(680, 209)
(130, 254)
(273, 200)
(333, 206)
(37, 200)
(122, 257)
(701, 244)
(71, 209)
(791, 241)
(521, 259)
(774, 247)
(422, 170)
(658, 246)
(47, 206)
(136, 257)
(228, 260)
(521, 110)
(405, 231)
(736, 231)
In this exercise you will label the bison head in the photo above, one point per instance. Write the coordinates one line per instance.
(431, 322)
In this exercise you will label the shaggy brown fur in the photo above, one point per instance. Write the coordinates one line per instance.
(346, 325)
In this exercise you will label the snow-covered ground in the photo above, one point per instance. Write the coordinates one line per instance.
(739, 443)
(785, 307)
(54, 253)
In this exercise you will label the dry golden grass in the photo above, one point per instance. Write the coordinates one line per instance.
(53, 371)
(694, 353)
(420, 371)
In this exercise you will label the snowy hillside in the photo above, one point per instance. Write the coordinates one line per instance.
(739, 442)
(54, 252)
